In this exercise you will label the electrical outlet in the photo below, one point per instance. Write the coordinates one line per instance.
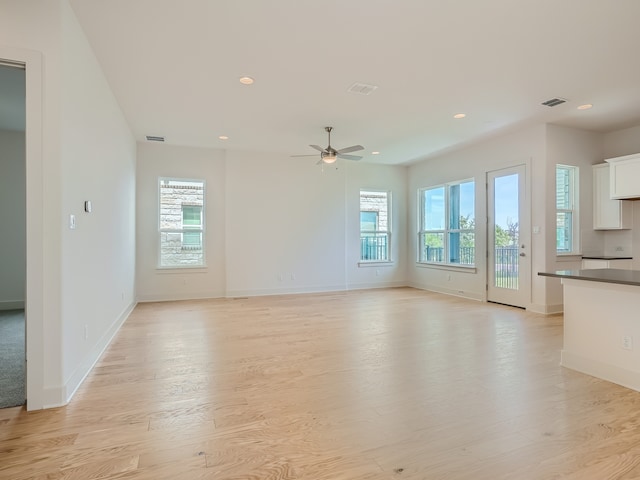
(627, 342)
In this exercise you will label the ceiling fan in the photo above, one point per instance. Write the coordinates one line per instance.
(330, 154)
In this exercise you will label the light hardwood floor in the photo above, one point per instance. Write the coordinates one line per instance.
(377, 384)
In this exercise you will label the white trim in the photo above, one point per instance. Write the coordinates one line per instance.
(172, 297)
(448, 266)
(34, 297)
(376, 263)
(605, 371)
(81, 372)
(546, 309)
(447, 291)
(12, 305)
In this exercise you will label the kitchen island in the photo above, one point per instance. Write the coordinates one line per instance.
(601, 323)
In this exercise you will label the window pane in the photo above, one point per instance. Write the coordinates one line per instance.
(191, 215)
(564, 240)
(374, 209)
(462, 248)
(432, 247)
(506, 267)
(563, 188)
(192, 240)
(374, 246)
(368, 221)
(434, 209)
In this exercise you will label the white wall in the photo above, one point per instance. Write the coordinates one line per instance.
(98, 160)
(361, 176)
(154, 161)
(286, 225)
(616, 144)
(275, 225)
(75, 131)
(12, 220)
(580, 148)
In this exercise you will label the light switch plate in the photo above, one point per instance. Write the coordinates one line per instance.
(72, 222)
(87, 206)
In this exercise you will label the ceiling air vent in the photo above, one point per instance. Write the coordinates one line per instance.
(152, 138)
(554, 101)
(361, 88)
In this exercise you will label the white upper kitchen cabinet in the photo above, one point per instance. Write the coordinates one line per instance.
(624, 176)
(609, 214)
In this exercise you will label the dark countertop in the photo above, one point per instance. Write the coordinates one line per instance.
(605, 275)
(605, 257)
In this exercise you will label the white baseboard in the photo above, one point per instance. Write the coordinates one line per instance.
(12, 305)
(546, 309)
(172, 297)
(78, 376)
(448, 291)
(284, 291)
(370, 286)
(611, 373)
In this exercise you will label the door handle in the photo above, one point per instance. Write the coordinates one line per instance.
(522, 254)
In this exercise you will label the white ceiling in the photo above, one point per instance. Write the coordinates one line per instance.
(174, 68)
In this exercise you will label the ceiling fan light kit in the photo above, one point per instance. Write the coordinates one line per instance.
(329, 158)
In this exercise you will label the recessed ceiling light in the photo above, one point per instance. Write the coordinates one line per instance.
(223, 137)
(460, 115)
(375, 153)
(586, 106)
(246, 80)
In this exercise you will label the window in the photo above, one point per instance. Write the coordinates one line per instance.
(567, 210)
(181, 223)
(191, 227)
(375, 226)
(447, 224)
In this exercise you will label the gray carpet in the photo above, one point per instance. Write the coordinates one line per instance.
(12, 363)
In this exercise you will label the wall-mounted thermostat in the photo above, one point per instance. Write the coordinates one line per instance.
(87, 206)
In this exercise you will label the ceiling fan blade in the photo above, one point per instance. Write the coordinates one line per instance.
(312, 155)
(319, 162)
(353, 148)
(320, 149)
(349, 157)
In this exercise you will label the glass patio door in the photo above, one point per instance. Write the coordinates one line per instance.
(508, 256)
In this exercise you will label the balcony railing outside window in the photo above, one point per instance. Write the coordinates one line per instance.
(374, 247)
(506, 262)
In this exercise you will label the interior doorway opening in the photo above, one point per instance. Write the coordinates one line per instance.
(14, 243)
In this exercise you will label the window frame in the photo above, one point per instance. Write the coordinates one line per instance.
(377, 232)
(182, 229)
(447, 229)
(573, 210)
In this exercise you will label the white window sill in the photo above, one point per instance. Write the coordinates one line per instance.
(376, 263)
(448, 266)
(183, 269)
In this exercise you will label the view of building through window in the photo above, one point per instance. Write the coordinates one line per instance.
(181, 223)
(374, 226)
